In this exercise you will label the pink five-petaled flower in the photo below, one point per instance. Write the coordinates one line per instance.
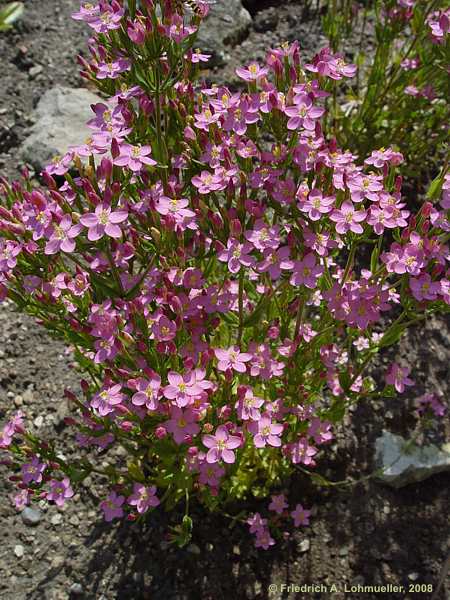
(423, 288)
(182, 424)
(210, 474)
(143, 497)
(306, 272)
(256, 522)
(102, 221)
(316, 205)
(267, 433)
(112, 506)
(300, 515)
(60, 491)
(221, 445)
(63, 236)
(181, 388)
(147, 393)
(252, 73)
(303, 113)
(278, 504)
(32, 471)
(232, 358)
(398, 377)
(106, 400)
(347, 218)
(237, 255)
(134, 157)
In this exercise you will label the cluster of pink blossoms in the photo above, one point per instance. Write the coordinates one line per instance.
(208, 278)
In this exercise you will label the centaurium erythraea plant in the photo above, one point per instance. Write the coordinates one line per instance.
(202, 254)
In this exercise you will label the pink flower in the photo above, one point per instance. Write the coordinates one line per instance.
(263, 539)
(398, 377)
(60, 491)
(303, 114)
(134, 157)
(210, 474)
(208, 182)
(106, 400)
(267, 432)
(33, 470)
(182, 424)
(237, 255)
(256, 523)
(278, 504)
(112, 506)
(248, 405)
(143, 497)
(181, 388)
(232, 358)
(147, 393)
(348, 219)
(300, 515)
(174, 206)
(306, 272)
(252, 73)
(423, 288)
(302, 452)
(113, 69)
(275, 261)
(320, 430)
(221, 445)
(103, 221)
(316, 205)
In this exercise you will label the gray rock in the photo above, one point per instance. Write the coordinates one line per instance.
(76, 589)
(225, 26)
(59, 122)
(19, 551)
(31, 516)
(405, 463)
(304, 545)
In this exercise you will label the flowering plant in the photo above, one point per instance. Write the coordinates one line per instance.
(400, 93)
(204, 253)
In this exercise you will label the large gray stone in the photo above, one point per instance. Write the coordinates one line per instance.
(404, 462)
(59, 122)
(225, 26)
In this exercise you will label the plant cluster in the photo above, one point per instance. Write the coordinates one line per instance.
(224, 272)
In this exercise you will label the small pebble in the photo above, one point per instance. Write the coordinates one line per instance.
(19, 551)
(76, 589)
(31, 516)
(304, 545)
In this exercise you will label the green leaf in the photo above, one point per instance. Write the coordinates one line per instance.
(10, 14)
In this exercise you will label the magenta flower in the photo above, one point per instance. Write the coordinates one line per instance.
(348, 219)
(423, 288)
(248, 405)
(113, 69)
(112, 506)
(256, 522)
(221, 445)
(9, 251)
(303, 113)
(237, 255)
(320, 430)
(106, 400)
(263, 539)
(268, 433)
(306, 272)
(208, 182)
(103, 221)
(63, 236)
(174, 206)
(60, 491)
(183, 423)
(398, 377)
(275, 261)
(232, 358)
(316, 205)
(210, 474)
(278, 504)
(147, 393)
(164, 329)
(300, 515)
(134, 157)
(181, 388)
(302, 452)
(32, 471)
(252, 73)
(143, 497)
